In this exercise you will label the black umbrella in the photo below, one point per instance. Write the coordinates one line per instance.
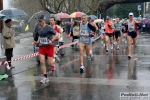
(13, 13)
(93, 17)
(33, 20)
(2, 16)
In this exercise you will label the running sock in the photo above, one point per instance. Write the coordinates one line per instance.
(45, 75)
(81, 64)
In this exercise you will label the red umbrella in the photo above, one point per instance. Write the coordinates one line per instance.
(63, 15)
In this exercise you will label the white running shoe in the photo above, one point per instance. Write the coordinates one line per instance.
(106, 50)
(104, 45)
(91, 55)
(81, 68)
(44, 80)
(118, 48)
(111, 47)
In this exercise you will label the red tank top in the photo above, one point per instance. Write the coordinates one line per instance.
(57, 30)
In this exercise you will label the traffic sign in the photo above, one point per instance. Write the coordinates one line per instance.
(139, 7)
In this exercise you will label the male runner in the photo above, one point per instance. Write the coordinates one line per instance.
(117, 34)
(90, 21)
(85, 40)
(46, 35)
(132, 34)
(56, 42)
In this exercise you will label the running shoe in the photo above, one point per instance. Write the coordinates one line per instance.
(104, 45)
(57, 59)
(53, 68)
(118, 48)
(106, 50)
(129, 56)
(44, 80)
(90, 57)
(111, 47)
(81, 68)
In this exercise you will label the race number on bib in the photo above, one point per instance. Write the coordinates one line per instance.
(43, 40)
(82, 32)
(131, 29)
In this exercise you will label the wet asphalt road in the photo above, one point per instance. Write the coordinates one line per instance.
(104, 77)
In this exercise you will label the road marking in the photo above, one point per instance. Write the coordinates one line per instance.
(97, 81)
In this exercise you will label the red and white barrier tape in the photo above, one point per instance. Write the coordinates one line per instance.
(26, 57)
(36, 54)
(5, 63)
(67, 45)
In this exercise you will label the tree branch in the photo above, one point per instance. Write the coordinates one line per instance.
(87, 5)
(65, 6)
(60, 5)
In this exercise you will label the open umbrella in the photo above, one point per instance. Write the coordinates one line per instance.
(33, 20)
(2, 16)
(63, 15)
(77, 14)
(98, 20)
(93, 17)
(13, 13)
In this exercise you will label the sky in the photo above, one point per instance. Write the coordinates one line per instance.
(5, 4)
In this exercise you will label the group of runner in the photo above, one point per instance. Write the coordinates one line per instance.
(49, 35)
(112, 31)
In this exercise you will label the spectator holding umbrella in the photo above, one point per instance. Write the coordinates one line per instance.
(8, 40)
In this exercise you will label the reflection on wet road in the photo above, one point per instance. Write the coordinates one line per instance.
(104, 77)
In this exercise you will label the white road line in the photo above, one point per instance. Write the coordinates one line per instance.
(97, 81)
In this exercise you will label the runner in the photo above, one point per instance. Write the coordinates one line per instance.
(59, 23)
(114, 39)
(117, 34)
(132, 34)
(102, 30)
(90, 21)
(85, 40)
(109, 33)
(45, 39)
(56, 42)
(124, 32)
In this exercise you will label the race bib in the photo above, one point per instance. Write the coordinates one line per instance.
(43, 40)
(131, 29)
(83, 32)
